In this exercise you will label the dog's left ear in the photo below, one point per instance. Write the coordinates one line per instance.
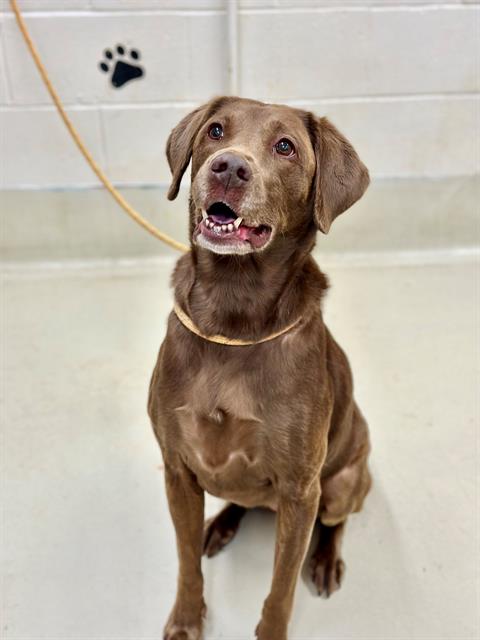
(180, 142)
(341, 178)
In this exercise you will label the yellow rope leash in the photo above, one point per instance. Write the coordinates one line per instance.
(182, 316)
(83, 149)
(219, 339)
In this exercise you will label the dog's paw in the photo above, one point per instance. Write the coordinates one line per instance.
(327, 574)
(215, 537)
(220, 530)
(266, 631)
(176, 632)
(185, 626)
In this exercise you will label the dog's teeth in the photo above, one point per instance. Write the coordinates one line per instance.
(204, 214)
(224, 227)
(230, 226)
(217, 228)
(237, 222)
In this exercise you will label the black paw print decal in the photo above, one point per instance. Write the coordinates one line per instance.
(122, 65)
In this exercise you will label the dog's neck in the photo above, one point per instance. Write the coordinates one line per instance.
(251, 295)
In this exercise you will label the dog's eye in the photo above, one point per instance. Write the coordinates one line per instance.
(284, 147)
(215, 131)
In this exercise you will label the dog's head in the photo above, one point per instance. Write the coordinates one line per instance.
(261, 172)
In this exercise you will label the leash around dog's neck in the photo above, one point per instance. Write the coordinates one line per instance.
(219, 339)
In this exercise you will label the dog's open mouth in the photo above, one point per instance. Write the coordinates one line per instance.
(220, 224)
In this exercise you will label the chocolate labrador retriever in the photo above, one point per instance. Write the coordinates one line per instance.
(251, 397)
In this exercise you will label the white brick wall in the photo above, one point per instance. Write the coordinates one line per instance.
(399, 78)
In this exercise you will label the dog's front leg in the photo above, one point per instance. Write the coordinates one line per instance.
(295, 519)
(186, 503)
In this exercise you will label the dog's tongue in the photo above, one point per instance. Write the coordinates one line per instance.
(256, 236)
(244, 232)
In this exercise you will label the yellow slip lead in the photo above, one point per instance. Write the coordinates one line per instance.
(219, 339)
(133, 213)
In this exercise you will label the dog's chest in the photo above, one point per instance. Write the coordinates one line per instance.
(223, 438)
(219, 439)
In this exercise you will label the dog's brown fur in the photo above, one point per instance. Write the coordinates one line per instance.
(273, 424)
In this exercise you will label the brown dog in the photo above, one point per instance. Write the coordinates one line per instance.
(271, 423)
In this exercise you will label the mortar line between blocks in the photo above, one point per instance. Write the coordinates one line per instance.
(299, 102)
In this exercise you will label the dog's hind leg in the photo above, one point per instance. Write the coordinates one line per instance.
(342, 494)
(221, 529)
(326, 565)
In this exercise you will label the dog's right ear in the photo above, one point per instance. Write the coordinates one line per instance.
(180, 143)
(179, 146)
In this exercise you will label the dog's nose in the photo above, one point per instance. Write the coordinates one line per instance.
(231, 170)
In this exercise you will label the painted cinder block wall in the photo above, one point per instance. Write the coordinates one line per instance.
(400, 79)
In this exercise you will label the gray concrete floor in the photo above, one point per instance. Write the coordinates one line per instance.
(89, 549)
